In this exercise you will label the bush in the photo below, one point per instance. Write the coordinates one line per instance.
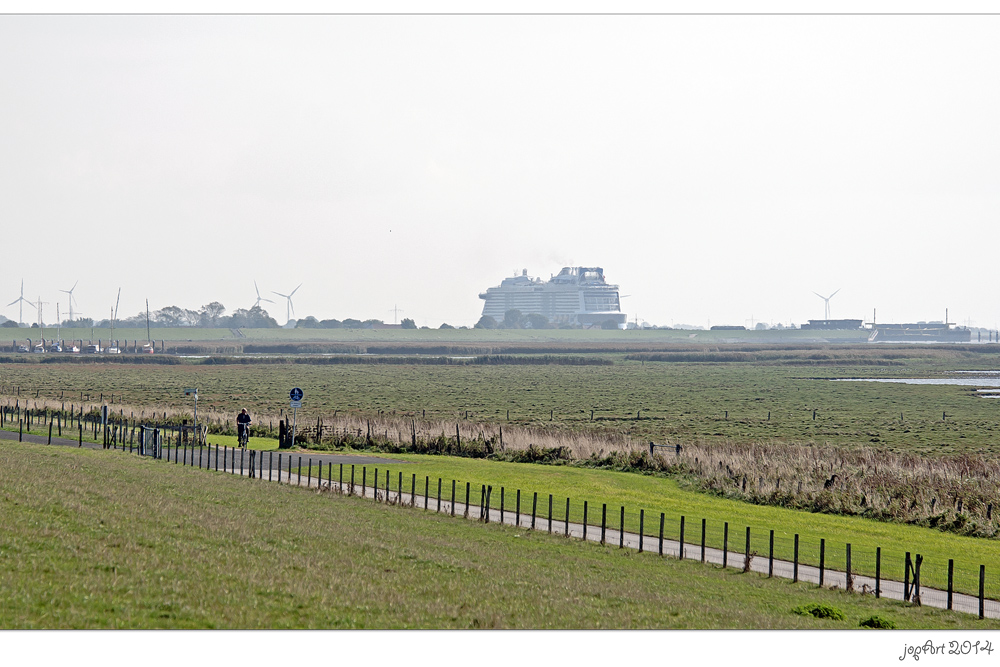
(820, 611)
(878, 623)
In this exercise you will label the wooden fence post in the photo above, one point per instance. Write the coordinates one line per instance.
(850, 578)
(468, 486)
(439, 496)
(642, 517)
(534, 506)
(662, 517)
(906, 578)
(982, 591)
(604, 521)
(878, 572)
(621, 529)
(822, 560)
(795, 561)
(501, 503)
(453, 497)
(681, 541)
(703, 540)
(584, 520)
(951, 578)
(770, 556)
(427, 491)
(567, 517)
(517, 510)
(550, 514)
(746, 562)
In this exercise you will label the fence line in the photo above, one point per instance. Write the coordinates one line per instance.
(787, 556)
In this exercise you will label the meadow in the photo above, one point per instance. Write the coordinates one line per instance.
(217, 551)
(760, 424)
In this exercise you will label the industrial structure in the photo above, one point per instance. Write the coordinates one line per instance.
(836, 325)
(919, 332)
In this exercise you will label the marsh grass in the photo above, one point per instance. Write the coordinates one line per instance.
(958, 493)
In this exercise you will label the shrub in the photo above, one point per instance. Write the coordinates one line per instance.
(878, 623)
(820, 611)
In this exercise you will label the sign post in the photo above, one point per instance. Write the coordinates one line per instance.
(194, 392)
(296, 402)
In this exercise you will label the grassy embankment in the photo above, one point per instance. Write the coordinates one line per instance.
(659, 494)
(93, 540)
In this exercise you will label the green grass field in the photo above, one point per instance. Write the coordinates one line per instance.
(96, 539)
(657, 495)
(664, 402)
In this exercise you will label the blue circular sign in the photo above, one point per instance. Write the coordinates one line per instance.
(295, 394)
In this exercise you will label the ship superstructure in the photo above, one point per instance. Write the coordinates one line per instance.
(577, 295)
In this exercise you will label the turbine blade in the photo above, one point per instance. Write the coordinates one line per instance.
(295, 290)
(838, 289)
(280, 294)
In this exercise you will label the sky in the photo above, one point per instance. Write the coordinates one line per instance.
(720, 168)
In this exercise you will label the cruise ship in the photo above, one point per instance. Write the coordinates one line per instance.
(578, 295)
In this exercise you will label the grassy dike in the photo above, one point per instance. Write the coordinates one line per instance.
(656, 494)
(96, 539)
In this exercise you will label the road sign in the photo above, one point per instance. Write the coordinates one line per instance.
(295, 404)
(295, 394)
(190, 392)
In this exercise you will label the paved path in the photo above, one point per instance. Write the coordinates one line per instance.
(267, 468)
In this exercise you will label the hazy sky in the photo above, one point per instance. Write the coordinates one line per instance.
(719, 168)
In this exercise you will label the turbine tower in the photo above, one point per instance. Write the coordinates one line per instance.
(290, 310)
(826, 300)
(22, 300)
(259, 297)
(71, 298)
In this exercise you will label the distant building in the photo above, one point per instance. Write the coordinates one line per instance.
(920, 332)
(832, 324)
(727, 327)
(577, 295)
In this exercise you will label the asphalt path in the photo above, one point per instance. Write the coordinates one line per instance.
(284, 468)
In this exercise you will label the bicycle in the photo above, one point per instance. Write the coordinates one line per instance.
(244, 437)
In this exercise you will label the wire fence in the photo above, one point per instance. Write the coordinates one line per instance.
(889, 571)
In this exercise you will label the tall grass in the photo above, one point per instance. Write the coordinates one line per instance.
(956, 493)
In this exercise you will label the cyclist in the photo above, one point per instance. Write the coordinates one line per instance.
(243, 427)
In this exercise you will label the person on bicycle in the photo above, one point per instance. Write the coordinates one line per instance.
(243, 427)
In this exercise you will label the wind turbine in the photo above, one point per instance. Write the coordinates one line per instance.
(22, 300)
(259, 297)
(290, 310)
(826, 300)
(71, 298)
